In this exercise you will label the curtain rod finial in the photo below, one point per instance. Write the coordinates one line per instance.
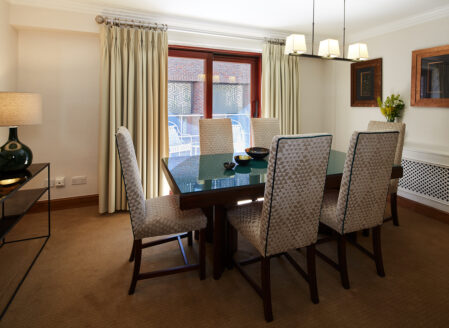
(100, 19)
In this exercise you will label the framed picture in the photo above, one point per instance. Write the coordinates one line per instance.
(366, 83)
(430, 77)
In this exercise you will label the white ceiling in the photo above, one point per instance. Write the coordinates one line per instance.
(280, 15)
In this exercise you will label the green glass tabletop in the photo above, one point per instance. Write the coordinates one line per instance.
(206, 172)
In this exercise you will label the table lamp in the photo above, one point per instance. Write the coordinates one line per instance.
(17, 109)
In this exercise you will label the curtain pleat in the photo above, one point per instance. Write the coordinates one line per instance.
(280, 88)
(133, 94)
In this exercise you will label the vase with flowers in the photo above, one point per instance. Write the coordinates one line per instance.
(391, 107)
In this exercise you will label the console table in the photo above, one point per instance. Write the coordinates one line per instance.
(15, 203)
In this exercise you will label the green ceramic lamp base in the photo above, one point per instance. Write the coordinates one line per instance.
(14, 155)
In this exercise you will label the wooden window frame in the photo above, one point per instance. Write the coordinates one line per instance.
(211, 55)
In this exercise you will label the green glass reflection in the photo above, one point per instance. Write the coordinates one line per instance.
(206, 172)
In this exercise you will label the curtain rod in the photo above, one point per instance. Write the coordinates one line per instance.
(139, 23)
(115, 21)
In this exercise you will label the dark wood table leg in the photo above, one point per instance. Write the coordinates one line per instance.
(231, 243)
(219, 240)
(209, 213)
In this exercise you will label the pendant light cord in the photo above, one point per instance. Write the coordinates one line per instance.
(344, 26)
(313, 25)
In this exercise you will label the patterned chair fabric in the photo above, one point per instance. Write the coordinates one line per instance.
(157, 216)
(216, 136)
(288, 218)
(263, 130)
(360, 203)
(391, 126)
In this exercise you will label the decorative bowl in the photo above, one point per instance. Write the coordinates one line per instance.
(242, 159)
(228, 165)
(257, 152)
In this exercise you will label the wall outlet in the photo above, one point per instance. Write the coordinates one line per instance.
(79, 180)
(52, 182)
(60, 181)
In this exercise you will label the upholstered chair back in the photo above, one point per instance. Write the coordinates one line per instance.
(293, 192)
(365, 180)
(131, 177)
(216, 136)
(391, 126)
(263, 130)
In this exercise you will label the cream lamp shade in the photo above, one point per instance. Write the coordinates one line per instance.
(358, 51)
(329, 48)
(18, 108)
(295, 44)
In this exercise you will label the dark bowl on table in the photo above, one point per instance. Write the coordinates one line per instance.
(257, 152)
(242, 159)
(228, 165)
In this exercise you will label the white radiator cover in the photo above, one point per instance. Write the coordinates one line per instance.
(426, 177)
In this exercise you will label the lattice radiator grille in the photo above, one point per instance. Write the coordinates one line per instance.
(426, 179)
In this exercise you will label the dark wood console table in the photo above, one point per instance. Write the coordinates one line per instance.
(15, 203)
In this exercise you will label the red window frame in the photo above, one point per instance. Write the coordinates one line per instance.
(211, 55)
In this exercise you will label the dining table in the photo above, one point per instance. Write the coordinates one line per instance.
(201, 181)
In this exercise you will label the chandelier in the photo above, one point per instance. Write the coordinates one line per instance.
(295, 44)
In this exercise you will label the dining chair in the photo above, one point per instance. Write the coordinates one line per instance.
(263, 130)
(156, 217)
(216, 136)
(288, 217)
(360, 202)
(396, 126)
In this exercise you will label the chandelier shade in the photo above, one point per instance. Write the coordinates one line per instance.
(358, 51)
(295, 44)
(329, 48)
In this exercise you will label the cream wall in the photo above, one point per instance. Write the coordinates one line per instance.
(8, 57)
(427, 128)
(64, 67)
(312, 102)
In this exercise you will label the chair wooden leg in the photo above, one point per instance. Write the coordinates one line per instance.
(378, 251)
(137, 258)
(197, 235)
(202, 254)
(365, 232)
(266, 289)
(342, 264)
(311, 274)
(189, 238)
(131, 257)
(394, 208)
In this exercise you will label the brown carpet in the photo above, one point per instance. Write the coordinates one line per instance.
(82, 277)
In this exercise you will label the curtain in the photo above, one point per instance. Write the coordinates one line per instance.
(134, 95)
(280, 87)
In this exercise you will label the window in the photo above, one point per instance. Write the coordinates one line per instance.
(210, 84)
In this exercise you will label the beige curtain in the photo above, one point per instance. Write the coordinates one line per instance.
(280, 87)
(133, 94)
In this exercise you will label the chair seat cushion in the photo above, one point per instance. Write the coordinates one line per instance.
(329, 210)
(246, 219)
(329, 215)
(163, 217)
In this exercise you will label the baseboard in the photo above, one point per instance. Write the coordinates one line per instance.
(423, 209)
(65, 203)
(92, 200)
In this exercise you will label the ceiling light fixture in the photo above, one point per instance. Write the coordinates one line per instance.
(295, 44)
